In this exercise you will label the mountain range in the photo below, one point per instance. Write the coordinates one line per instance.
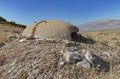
(107, 24)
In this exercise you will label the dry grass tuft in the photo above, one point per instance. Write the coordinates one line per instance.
(2, 59)
(2, 36)
(110, 37)
(23, 75)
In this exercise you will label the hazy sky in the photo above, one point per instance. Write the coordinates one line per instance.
(74, 11)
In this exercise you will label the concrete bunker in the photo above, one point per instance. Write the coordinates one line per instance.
(52, 29)
(74, 36)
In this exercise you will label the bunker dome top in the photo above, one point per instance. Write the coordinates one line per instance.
(51, 29)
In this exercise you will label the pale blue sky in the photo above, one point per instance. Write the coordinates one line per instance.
(74, 11)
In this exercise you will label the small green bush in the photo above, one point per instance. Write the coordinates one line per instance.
(19, 25)
(2, 19)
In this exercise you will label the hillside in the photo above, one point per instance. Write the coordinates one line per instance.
(101, 25)
(9, 28)
(34, 58)
(43, 59)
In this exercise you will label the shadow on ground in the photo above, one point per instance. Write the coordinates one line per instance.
(79, 38)
(100, 64)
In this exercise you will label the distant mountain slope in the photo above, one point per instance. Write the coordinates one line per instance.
(101, 25)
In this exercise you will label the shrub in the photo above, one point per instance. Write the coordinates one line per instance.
(19, 25)
(12, 22)
(2, 19)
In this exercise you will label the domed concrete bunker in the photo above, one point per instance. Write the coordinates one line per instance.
(51, 29)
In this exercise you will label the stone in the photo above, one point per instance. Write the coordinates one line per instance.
(22, 40)
(84, 63)
(107, 54)
(71, 43)
(72, 56)
(89, 56)
(61, 62)
(94, 60)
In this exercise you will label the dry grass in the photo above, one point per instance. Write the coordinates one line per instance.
(72, 71)
(110, 37)
(23, 75)
(9, 29)
(2, 62)
(2, 36)
(2, 59)
(78, 72)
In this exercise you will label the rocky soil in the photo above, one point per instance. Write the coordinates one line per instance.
(42, 59)
(7, 30)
